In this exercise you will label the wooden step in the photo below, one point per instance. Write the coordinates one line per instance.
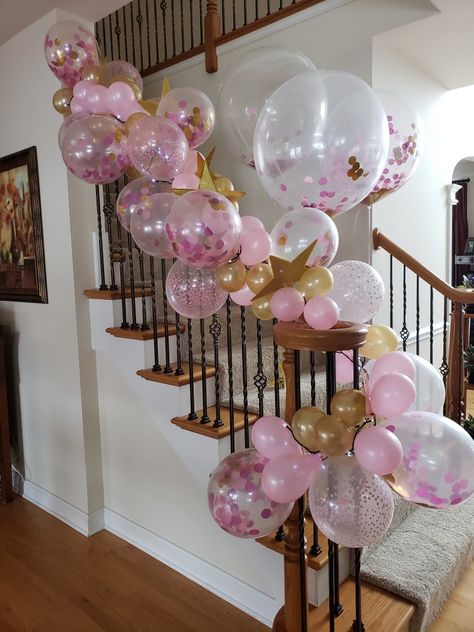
(207, 429)
(381, 611)
(138, 334)
(316, 562)
(115, 295)
(177, 380)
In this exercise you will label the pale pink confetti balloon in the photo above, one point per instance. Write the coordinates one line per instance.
(192, 111)
(147, 225)
(193, 292)
(133, 194)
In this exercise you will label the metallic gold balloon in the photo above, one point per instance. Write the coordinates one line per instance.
(129, 81)
(303, 424)
(61, 100)
(332, 436)
(261, 308)
(315, 281)
(132, 120)
(258, 276)
(380, 340)
(349, 405)
(95, 74)
(223, 184)
(231, 276)
(132, 173)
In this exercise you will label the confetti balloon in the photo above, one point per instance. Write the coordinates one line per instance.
(157, 148)
(66, 124)
(134, 194)
(351, 506)
(237, 501)
(405, 129)
(94, 149)
(147, 225)
(358, 290)
(123, 69)
(193, 292)
(204, 229)
(296, 230)
(192, 111)
(438, 461)
(247, 84)
(321, 141)
(69, 47)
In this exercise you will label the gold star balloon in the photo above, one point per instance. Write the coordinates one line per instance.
(286, 273)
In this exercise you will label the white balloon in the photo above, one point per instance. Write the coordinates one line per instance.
(358, 290)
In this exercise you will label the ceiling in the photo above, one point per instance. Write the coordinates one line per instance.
(22, 13)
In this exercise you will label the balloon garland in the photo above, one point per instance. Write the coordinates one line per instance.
(321, 142)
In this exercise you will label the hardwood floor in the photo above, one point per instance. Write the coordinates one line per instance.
(52, 579)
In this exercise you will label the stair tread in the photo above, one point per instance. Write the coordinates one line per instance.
(207, 429)
(138, 334)
(115, 295)
(177, 380)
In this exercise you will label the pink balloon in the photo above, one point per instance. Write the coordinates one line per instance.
(96, 100)
(378, 450)
(287, 477)
(321, 312)
(193, 292)
(272, 437)
(186, 181)
(191, 164)
(250, 222)
(344, 366)
(242, 297)
(157, 148)
(147, 225)
(392, 362)
(122, 101)
(392, 394)
(255, 246)
(287, 304)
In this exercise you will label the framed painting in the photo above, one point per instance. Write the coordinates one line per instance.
(22, 265)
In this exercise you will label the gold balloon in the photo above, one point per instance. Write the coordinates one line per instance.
(261, 308)
(61, 100)
(132, 173)
(129, 81)
(332, 436)
(150, 105)
(303, 423)
(258, 276)
(231, 276)
(94, 73)
(315, 281)
(349, 405)
(380, 340)
(223, 184)
(132, 120)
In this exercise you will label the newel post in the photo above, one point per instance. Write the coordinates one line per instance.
(212, 28)
(455, 383)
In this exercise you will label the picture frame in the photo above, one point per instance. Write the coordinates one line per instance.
(469, 248)
(22, 262)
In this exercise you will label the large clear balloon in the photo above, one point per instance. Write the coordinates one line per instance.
(69, 47)
(296, 230)
(123, 69)
(430, 391)
(66, 124)
(193, 292)
(405, 145)
(133, 194)
(237, 501)
(321, 141)
(250, 80)
(94, 149)
(350, 506)
(438, 462)
(192, 111)
(147, 225)
(204, 229)
(358, 290)
(157, 148)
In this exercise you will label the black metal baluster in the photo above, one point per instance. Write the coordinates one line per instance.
(124, 20)
(234, 17)
(444, 368)
(357, 625)
(256, 10)
(192, 407)
(123, 298)
(118, 32)
(155, 31)
(111, 37)
(431, 324)
(131, 273)
(156, 363)
(132, 32)
(245, 13)
(417, 315)
(191, 19)
(276, 374)
(168, 368)
(332, 611)
(215, 330)
(260, 379)
(243, 336)
(97, 36)
(268, 7)
(312, 375)
(139, 20)
(230, 369)
(182, 24)
(391, 291)
(223, 16)
(141, 265)
(103, 284)
(147, 18)
(201, 22)
(104, 39)
(163, 7)
(173, 29)
(404, 333)
(108, 211)
(179, 362)
(205, 417)
(459, 308)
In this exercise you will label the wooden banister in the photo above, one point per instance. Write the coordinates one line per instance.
(212, 27)
(453, 294)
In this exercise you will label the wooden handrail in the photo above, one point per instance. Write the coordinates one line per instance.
(448, 291)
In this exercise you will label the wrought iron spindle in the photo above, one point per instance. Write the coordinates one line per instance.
(191, 21)
(417, 315)
(181, 13)
(256, 10)
(103, 284)
(431, 324)
(179, 362)
(173, 29)
(444, 368)
(192, 407)
(123, 297)
(201, 22)
(139, 20)
(124, 20)
(312, 376)
(404, 333)
(268, 7)
(132, 32)
(118, 32)
(391, 291)
(163, 7)
(111, 37)
(104, 39)
(168, 368)
(276, 374)
(108, 211)
(243, 337)
(230, 369)
(215, 330)
(147, 20)
(245, 13)
(223, 17)
(156, 363)
(205, 417)
(460, 346)
(155, 31)
(260, 379)
(141, 265)
(357, 625)
(234, 17)
(131, 274)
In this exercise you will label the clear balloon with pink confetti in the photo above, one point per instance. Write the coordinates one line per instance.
(147, 225)
(192, 111)
(134, 194)
(193, 292)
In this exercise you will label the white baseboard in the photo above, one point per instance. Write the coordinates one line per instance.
(254, 602)
(85, 523)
